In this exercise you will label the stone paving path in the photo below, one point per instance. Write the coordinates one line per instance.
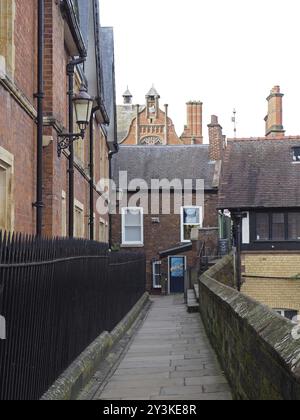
(170, 358)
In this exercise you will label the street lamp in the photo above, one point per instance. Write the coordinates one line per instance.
(83, 105)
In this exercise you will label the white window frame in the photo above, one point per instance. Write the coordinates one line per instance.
(132, 244)
(79, 207)
(282, 312)
(7, 165)
(64, 214)
(155, 275)
(182, 224)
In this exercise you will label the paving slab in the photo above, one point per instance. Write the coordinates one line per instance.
(169, 358)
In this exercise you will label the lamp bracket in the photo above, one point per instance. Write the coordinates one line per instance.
(66, 139)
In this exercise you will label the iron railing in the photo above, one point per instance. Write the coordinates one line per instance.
(57, 296)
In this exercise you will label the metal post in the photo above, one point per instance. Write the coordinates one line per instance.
(40, 121)
(70, 72)
(92, 222)
(71, 150)
(92, 174)
(110, 155)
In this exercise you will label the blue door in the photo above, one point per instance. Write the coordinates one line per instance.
(177, 270)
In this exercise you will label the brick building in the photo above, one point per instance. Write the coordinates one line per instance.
(150, 125)
(72, 29)
(150, 150)
(260, 186)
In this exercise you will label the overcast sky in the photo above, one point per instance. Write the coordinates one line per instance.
(226, 53)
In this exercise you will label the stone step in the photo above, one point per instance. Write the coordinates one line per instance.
(196, 290)
(192, 304)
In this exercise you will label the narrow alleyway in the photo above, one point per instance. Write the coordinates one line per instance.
(170, 358)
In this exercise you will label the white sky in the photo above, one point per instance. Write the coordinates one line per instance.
(226, 53)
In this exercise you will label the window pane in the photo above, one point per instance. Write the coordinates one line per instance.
(278, 228)
(3, 198)
(294, 226)
(156, 275)
(191, 216)
(291, 315)
(133, 234)
(262, 227)
(296, 151)
(188, 231)
(133, 217)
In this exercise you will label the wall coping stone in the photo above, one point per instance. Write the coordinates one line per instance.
(71, 382)
(273, 332)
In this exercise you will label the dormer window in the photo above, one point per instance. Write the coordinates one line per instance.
(296, 154)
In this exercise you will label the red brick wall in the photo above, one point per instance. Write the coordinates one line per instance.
(173, 139)
(25, 38)
(18, 129)
(193, 130)
(56, 175)
(166, 234)
(216, 139)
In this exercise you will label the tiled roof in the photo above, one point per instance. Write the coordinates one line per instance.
(107, 54)
(153, 92)
(125, 115)
(127, 93)
(165, 162)
(260, 173)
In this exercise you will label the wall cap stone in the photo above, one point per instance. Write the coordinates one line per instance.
(68, 386)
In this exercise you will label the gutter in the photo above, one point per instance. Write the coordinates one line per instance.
(69, 14)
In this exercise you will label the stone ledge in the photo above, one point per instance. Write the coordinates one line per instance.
(68, 386)
(255, 346)
(19, 96)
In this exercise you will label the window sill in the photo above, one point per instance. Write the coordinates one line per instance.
(132, 245)
(289, 241)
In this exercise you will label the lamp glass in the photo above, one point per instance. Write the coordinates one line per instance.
(83, 105)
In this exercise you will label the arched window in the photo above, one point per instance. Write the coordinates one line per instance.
(7, 23)
(151, 141)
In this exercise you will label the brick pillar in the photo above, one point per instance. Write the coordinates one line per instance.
(193, 133)
(216, 139)
(274, 120)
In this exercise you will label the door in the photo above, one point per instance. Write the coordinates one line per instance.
(177, 267)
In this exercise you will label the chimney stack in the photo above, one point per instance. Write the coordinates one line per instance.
(193, 130)
(274, 120)
(216, 139)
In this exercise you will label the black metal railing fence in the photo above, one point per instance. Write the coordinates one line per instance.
(57, 296)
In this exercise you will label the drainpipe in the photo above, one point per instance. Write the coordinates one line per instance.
(238, 220)
(92, 174)
(70, 72)
(110, 156)
(40, 122)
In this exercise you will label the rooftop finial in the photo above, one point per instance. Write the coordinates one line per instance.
(127, 97)
(153, 92)
(234, 122)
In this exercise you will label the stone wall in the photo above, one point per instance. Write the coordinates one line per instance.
(259, 350)
(223, 272)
